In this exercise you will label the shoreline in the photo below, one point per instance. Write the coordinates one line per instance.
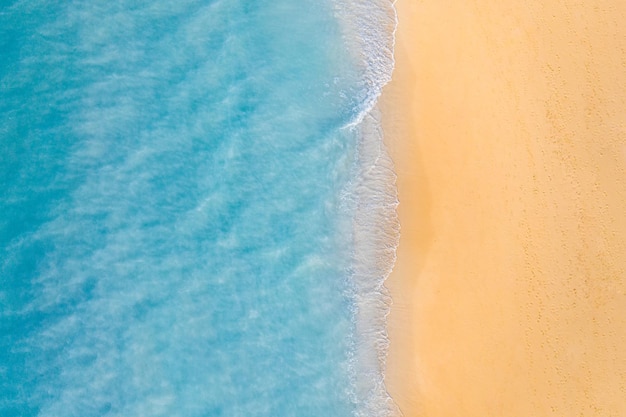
(504, 122)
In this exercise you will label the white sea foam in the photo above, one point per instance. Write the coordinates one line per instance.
(376, 234)
(369, 28)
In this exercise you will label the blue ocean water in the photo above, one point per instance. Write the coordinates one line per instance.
(197, 211)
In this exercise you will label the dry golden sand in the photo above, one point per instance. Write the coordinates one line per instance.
(507, 124)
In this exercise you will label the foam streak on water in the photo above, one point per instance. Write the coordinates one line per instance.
(198, 210)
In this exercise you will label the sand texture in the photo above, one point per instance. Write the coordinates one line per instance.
(506, 121)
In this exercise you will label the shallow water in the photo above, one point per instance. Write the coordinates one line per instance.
(183, 186)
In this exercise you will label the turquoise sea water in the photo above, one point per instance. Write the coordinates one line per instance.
(197, 212)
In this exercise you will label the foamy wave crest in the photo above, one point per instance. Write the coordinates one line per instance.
(376, 234)
(369, 28)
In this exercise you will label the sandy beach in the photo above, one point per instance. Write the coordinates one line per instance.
(507, 125)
